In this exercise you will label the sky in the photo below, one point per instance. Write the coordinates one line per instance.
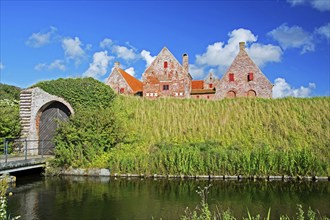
(288, 39)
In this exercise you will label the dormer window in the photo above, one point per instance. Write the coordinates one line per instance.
(231, 77)
(250, 77)
(165, 64)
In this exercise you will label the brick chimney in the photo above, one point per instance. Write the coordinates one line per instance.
(185, 62)
(117, 65)
(241, 45)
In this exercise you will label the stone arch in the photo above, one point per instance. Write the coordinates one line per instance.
(231, 94)
(251, 93)
(34, 103)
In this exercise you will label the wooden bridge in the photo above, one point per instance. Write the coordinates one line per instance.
(21, 156)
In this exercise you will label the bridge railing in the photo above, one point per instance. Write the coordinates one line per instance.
(24, 149)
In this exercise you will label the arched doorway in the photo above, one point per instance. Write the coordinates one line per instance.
(49, 119)
(251, 93)
(231, 94)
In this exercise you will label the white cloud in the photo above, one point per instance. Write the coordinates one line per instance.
(324, 31)
(40, 39)
(72, 48)
(293, 37)
(106, 43)
(100, 64)
(321, 5)
(124, 52)
(56, 64)
(147, 57)
(130, 71)
(196, 71)
(283, 89)
(221, 54)
(2, 66)
(261, 54)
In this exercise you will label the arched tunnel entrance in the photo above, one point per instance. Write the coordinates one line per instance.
(49, 118)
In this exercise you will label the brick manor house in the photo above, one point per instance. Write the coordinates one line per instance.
(166, 77)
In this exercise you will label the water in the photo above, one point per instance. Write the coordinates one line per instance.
(108, 198)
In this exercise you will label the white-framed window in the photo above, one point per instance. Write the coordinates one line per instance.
(151, 94)
(176, 94)
(147, 94)
(181, 93)
(156, 94)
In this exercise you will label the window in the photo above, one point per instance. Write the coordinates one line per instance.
(197, 96)
(166, 87)
(121, 90)
(250, 77)
(156, 94)
(151, 94)
(147, 94)
(165, 64)
(181, 94)
(231, 77)
(208, 97)
(176, 94)
(210, 85)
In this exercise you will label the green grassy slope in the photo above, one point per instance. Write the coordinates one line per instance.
(279, 123)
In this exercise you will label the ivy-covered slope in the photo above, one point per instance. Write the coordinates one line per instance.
(81, 93)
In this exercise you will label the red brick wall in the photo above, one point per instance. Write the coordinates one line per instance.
(117, 82)
(241, 86)
(174, 75)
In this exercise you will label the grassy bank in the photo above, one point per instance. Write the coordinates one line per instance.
(229, 137)
(244, 136)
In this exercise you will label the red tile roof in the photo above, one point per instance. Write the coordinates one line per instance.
(197, 84)
(135, 84)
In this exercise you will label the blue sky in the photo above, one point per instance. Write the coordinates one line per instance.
(288, 39)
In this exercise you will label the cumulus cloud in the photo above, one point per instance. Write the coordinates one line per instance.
(72, 48)
(196, 71)
(147, 57)
(2, 66)
(40, 39)
(56, 64)
(261, 54)
(100, 64)
(293, 37)
(221, 54)
(283, 89)
(321, 5)
(130, 71)
(106, 43)
(124, 52)
(324, 31)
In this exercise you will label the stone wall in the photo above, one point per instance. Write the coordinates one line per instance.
(241, 85)
(166, 77)
(32, 102)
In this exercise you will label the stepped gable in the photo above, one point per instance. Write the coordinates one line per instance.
(122, 82)
(243, 79)
(166, 77)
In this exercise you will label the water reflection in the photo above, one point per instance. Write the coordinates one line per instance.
(105, 198)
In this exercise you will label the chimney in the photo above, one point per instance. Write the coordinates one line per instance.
(185, 62)
(117, 65)
(241, 45)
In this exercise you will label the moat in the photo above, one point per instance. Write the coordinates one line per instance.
(37, 197)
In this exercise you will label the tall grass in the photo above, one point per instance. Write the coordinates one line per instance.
(233, 136)
(280, 123)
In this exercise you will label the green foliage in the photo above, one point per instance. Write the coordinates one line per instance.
(212, 158)
(233, 136)
(87, 136)
(81, 93)
(10, 126)
(9, 92)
